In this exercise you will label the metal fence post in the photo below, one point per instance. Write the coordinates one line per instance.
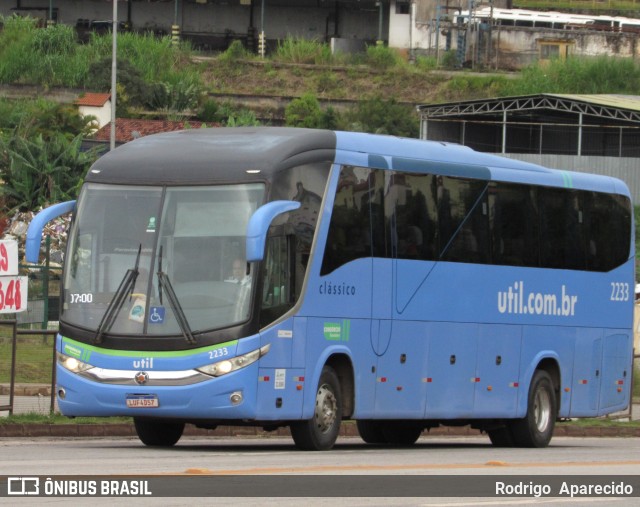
(12, 375)
(45, 284)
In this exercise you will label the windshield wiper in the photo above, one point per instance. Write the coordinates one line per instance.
(165, 284)
(125, 288)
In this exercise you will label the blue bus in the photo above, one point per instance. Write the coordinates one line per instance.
(291, 277)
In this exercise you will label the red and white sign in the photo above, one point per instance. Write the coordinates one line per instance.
(13, 288)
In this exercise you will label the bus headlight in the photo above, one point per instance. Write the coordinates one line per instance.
(72, 364)
(233, 364)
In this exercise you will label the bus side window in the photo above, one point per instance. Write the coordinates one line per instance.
(278, 285)
(608, 220)
(348, 238)
(562, 241)
(514, 224)
(415, 218)
(462, 219)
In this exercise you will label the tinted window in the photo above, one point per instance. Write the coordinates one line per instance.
(349, 235)
(463, 219)
(514, 224)
(290, 237)
(608, 220)
(430, 217)
(415, 217)
(562, 231)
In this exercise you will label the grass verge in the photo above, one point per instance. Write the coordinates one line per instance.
(60, 419)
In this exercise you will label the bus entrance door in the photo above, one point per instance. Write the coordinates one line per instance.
(381, 306)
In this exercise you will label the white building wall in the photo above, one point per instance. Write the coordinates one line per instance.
(102, 114)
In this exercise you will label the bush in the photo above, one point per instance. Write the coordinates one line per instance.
(181, 95)
(293, 50)
(235, 52)
(382, 58)
(209, 111)
(383, 117)
(129, 79)
(306, 112)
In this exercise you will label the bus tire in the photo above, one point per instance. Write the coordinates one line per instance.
(536, 428)
(501, 437)
(372, 432)
(402, 432)
(321, 431)
(158, 434)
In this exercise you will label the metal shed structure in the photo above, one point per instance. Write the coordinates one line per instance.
(590, 133)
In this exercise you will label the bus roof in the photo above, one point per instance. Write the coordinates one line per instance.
(457, 160)
(210, 155)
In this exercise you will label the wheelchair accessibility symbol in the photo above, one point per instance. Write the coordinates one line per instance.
(156, 314)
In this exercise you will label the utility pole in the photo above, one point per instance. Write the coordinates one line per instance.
(114, 50)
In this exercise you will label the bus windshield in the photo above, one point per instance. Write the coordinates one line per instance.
(160, 261)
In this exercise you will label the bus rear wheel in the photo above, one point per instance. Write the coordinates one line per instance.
(321, 431)
(372, 432)
(536, 428)
(158, 434)
(402, 432)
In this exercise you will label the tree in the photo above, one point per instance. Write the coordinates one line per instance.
(38, 171)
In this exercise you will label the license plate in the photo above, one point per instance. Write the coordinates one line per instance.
(142, 401)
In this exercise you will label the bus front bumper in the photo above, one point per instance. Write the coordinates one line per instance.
(231, 397)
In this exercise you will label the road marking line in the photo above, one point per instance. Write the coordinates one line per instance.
(383, 468)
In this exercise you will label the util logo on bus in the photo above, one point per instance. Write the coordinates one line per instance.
(143, 364)
(516, 300)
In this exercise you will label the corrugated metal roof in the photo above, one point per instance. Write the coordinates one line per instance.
(629, 102)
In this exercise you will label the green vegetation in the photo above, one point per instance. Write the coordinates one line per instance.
(33, 361)
(41, 161)
(60, 419)
(602, 74)
(602, 422)
(294, 50)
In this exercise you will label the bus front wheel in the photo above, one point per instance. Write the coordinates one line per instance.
(158, 434)
(536, 428)
(321, 431)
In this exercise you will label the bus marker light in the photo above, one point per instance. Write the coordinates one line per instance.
(567, 389)
(620, 382)
(382, 379)
(583, 382)
(264, 379)
(399, 388)
(619, 389)
(489, 388)
(475, 379)
(299, 388)
(514, 384)
(428, 380)
(298, 379)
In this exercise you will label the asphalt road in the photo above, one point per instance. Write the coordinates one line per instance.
(454, 458)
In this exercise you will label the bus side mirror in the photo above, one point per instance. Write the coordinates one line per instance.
(259, 225)
(34, 232)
